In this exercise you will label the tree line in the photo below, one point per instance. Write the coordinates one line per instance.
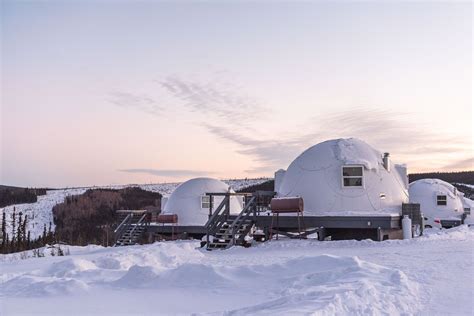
(466, 177)
(13, 195)
(18, 237)
(90, 218)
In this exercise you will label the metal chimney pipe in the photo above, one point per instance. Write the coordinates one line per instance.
(386, 161)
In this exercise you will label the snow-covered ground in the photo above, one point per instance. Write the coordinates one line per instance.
(40, 213)
(431, 275)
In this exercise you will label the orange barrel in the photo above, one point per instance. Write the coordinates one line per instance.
(287, 205)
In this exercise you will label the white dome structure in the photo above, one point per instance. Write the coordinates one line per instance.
(190, 203)
(437, 198)
(345, 177)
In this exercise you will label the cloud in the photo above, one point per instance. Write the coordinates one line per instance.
(228, 113)
(140, 102)
(214, 97)
(169, 172)
(385, 130)
(465, 164)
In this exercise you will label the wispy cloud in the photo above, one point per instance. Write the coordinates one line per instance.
(138, 101)
(465, 164)
(385, 130)
(169, 172)
(230, 114)
(214, 97)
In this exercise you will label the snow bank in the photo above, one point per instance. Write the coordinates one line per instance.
(331, 285)
(324, 283)
(425, 276)
(35, 286)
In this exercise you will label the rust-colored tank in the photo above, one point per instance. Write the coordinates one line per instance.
(287, 205)
(167, 219)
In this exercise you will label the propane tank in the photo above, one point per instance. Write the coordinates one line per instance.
(406, 227)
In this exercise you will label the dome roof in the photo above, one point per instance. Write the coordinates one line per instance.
(425, 192)
(316, 175)
(185, 201)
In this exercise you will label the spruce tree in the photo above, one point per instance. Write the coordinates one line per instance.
(50, 234)
(18, 232)
(13, 226)
(44, 235)
(4, 231)
(13, 241)
(28, 241)
(23, 228)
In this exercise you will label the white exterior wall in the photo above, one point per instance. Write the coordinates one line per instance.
(425, 193)
(316, 175)
(185, 201)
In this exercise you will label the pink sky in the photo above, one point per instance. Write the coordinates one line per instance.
(98, 93)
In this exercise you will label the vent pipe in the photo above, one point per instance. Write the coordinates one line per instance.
(386, 161)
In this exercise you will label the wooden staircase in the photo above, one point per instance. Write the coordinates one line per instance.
(223, 233)
(130, 230)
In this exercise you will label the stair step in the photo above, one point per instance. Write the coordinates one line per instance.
(240, 227)
(218, 245)
(238, 232)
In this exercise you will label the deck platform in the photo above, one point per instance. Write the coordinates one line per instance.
(377, 227)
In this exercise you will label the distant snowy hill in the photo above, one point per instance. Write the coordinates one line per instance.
(40, 213)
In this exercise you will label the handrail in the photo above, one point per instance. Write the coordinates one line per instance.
(123, 223)
(246, 212)
(138, 224)
(212, 224)
(216, 213)
(118, 232)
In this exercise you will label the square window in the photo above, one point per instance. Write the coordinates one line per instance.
(441, 200)
(352, 176)
(205, 201)
(352, 171)
(352, 182)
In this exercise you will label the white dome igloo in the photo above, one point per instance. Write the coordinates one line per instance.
(185, 201)
(426, 192)
(317, 176)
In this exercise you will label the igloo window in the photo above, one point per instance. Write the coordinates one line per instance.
(441, 200)
(352, 176)
(205, 201)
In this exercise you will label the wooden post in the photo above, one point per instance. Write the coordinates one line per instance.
(210, 205)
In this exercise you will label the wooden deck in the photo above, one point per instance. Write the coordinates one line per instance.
(378, 227)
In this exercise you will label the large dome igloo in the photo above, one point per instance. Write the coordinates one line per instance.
(343, 177)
